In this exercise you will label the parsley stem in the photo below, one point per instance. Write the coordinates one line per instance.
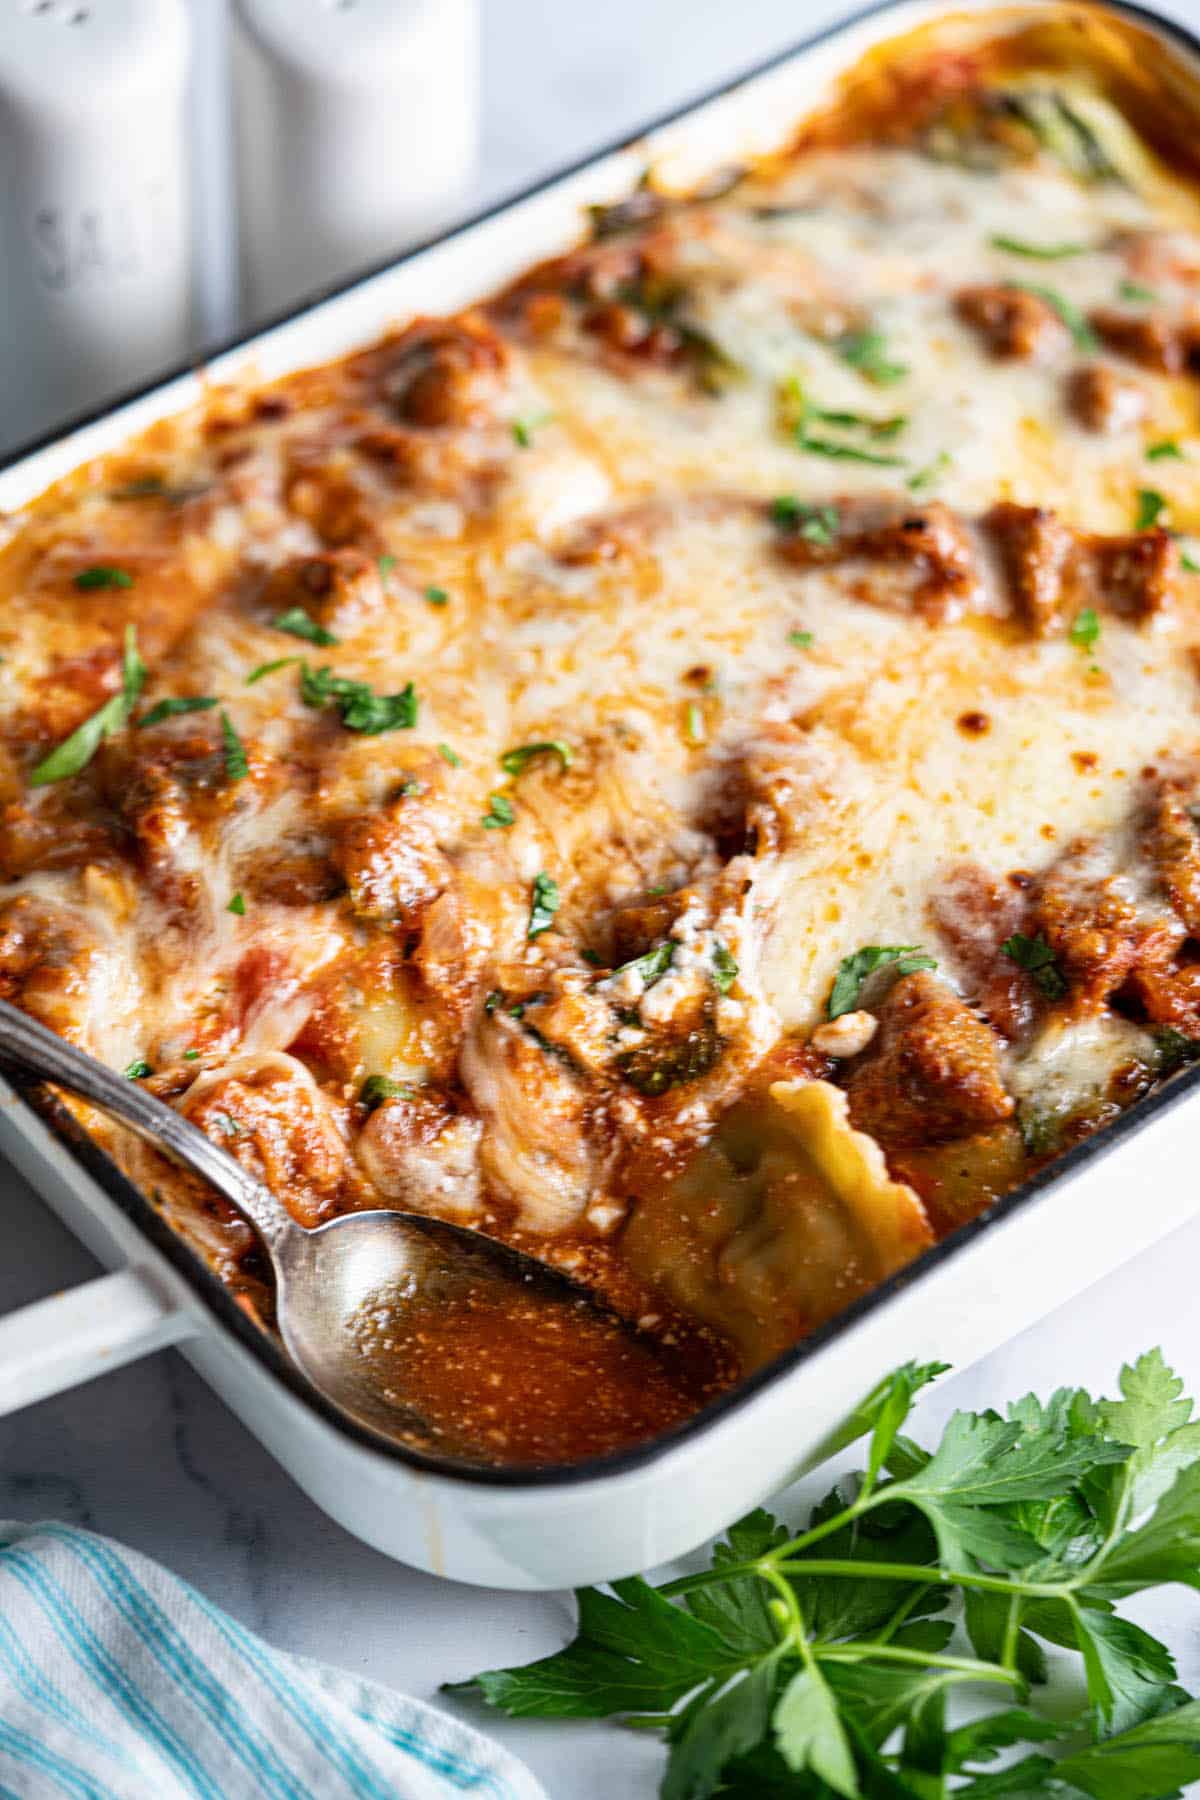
(922, 1659)
(901, 1613)
(1012, 1632)
(881, 1571)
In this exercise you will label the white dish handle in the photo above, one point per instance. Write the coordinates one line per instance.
(71, 1337)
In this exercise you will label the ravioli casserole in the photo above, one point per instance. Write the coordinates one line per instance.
(691, 765)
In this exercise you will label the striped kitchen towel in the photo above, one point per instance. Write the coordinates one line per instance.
(120, 1682)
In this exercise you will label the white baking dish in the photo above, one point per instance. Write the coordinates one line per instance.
(1118, 1192)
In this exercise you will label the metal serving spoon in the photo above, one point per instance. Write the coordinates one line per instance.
(338, 1285)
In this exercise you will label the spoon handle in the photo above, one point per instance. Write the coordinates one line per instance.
(41, 1052)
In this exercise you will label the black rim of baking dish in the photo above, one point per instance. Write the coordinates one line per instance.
(218, 1300)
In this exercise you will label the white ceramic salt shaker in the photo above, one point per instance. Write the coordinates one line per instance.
(95, 258)
(357, 133)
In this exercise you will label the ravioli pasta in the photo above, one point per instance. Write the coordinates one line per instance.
(689, 764)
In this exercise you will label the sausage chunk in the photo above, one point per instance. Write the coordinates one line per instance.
(1012, 323)
(1103, 401)
(1161, 341)
(1171, 844)
(338, 589)
(1098, 935)
(1035, 550)
(933, 1071)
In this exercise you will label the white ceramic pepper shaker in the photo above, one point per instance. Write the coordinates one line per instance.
(95, 258)
(357, 128)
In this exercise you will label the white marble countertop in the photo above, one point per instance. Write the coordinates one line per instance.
(151, 1457)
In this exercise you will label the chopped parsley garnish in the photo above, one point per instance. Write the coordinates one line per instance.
(385, 565)
(236, 765)
(594, 957)
(822, 446)
(651, 967)
(378, 1088)
(229, 1126)
(362, 709)
(1085, 628)
(76, 751)
(866, 351)
(437, 596)
(190, 1055)
(270, 668)
(523, 429)
(237, 906)
(928, 476)
(513, 762)
(449, 756)
(1151, 505)
(170, 708)
(410, 789)
(815, 524)
(500, 814)
(891, 1644)
(1035, 956)
(137, 1070)
(296, 622)
(1134, 291)
(725, 969)
(1083, 337)
(1043, 252)
(853, 971)
(1188, 563)
(800, 640)
(852, 421)
(693, 722)
(103, 575)
(1167, 451)
(544, 903)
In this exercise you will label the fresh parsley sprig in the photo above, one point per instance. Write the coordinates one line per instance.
(816, 1662)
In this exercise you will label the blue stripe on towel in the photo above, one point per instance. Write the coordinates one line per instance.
(137, 1606)
(28, 1681)
(366, 1783)
(90, 1654)
(66, 1776)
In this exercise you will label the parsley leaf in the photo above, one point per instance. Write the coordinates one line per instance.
(821, 446)
(362, 709)
(866, 352)
(1043, 252)
(137, 1070)
(1151, 505)
(237, 906)
(543, 905)
(928, 476)
(1036, 956)
(1134, 290)
(1166, 451)
(437, 596)
(800, 640)
(499, 814)
(725, 969)
(809, 1732)
(651, 967)
(296, 622)
(76, 751)
(815, 524)
(853, 971)
(514, 761)
(449, 756)
(1085, 628)
(523, 429)
(236, 766)
(103, 575)
(270, 668)
(1082, 335)
(169, 708)
(378, 1088)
